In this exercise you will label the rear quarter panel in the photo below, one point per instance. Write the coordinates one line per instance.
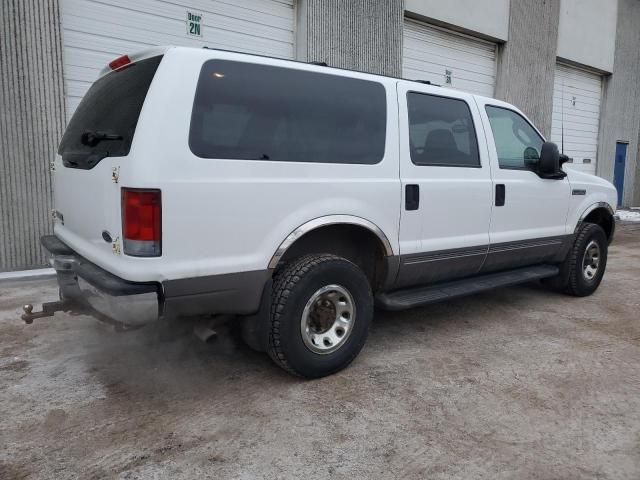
(222, 216)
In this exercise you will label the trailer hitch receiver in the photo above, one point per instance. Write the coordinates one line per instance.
(48, 309)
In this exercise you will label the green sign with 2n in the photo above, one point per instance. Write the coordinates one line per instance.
(194, 24)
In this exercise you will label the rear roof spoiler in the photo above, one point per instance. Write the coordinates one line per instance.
(139, 55)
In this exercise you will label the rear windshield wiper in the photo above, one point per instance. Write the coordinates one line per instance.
(91, 138)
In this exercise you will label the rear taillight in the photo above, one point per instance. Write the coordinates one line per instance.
(119, 62)
(142, 222)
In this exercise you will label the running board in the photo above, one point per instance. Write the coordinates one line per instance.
(416, 296)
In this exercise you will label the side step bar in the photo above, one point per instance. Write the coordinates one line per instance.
(416, 296)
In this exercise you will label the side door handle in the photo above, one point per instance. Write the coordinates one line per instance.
(411, 197)
(500, 194)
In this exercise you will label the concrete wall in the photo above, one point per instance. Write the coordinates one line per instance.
(620, 117)
(634, 177)
(526, 63)
(363, 35)
(489, 18)
(587, 32)
(31, 124)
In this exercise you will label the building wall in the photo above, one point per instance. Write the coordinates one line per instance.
(587, 32)
(31, 123)
(364, 35)
(526, 63)
(489, 18)
(620, 119)
(634, 176)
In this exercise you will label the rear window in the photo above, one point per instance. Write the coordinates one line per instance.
(104, 123)
(260, 112)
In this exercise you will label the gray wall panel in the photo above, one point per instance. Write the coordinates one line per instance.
(620, 118)
(31, 123)
(526, 63)
(363, 35)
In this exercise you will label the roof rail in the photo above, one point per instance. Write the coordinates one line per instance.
(324, 64)
(427, 82)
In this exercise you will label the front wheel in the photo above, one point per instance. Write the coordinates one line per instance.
(584, 267)
(321, 310)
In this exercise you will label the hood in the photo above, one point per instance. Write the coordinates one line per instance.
(576, 176)
(596, 189)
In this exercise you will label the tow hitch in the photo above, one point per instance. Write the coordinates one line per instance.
(48, 309)
(73, 308)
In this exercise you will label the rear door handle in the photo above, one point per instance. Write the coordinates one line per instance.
(500, 194)
(411, 197)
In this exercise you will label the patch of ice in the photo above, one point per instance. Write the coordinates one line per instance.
(628, 215)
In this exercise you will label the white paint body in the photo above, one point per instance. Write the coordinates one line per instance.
(455, 203)
(225, 216)
(536, 207)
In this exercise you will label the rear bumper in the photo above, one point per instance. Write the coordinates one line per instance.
(84, 283)
(139, 303)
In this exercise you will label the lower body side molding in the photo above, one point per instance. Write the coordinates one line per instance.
(416, 296)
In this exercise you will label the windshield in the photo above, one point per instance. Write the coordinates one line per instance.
(105, 121)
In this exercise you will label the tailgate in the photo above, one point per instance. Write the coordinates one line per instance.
(96, 143)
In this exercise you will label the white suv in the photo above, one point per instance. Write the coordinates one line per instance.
(297, 196)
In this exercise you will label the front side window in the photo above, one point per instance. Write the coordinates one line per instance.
(517, 143)
(441, 131)
(260, 112)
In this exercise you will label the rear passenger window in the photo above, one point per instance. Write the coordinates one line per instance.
(441, 131)
(260, 112)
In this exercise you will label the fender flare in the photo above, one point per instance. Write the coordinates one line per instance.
(323, 222)
(590, 209)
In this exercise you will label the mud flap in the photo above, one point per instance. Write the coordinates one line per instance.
(255, 327)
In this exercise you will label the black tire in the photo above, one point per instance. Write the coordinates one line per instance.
(293, 287)
(572, 279)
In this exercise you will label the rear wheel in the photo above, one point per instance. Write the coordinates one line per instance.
(321, 310)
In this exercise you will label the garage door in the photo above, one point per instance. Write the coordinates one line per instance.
(449, 59)
(95, 32)
(576, 99)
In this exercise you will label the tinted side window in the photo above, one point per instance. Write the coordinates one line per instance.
(441, 131)
(260, 112)
(517, 143)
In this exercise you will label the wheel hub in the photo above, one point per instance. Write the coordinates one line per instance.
(591, 260)
(327, 319)
(322, 316)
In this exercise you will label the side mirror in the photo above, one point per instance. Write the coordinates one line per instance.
(549, 165)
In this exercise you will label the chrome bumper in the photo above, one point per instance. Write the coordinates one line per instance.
(99, 292)
(131, 310)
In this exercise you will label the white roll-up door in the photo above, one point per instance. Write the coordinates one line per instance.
(96, 32)
(448, 59)
(576, 100)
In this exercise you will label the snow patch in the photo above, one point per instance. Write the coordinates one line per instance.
(628, 215)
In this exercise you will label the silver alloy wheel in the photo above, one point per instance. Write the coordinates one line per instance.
(591, 260)
(328, 319)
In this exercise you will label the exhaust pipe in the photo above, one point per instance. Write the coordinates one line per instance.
(204, 332)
